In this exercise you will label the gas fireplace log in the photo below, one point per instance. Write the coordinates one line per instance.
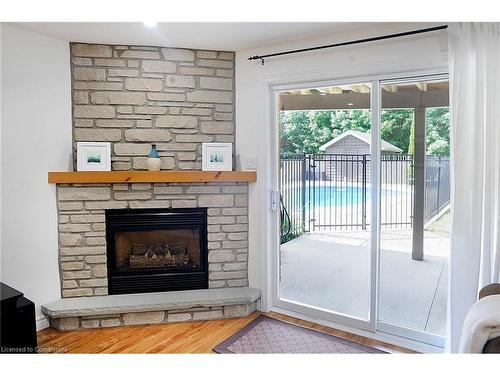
(158, 261)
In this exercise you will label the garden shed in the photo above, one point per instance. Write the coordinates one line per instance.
(353, 142)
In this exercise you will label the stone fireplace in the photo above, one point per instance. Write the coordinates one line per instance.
(88, 228)
(156, 250)
(135, 253)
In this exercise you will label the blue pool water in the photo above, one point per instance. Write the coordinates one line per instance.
(335, 195)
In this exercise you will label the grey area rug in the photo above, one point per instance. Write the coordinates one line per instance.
(267, 335)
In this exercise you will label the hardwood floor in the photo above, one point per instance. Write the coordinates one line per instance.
(189, 337)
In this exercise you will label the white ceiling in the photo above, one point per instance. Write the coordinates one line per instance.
(232, 36)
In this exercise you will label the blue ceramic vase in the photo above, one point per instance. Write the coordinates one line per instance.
(154, 161)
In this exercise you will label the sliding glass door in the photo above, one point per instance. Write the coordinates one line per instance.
(414, 210)
(324, 189)
(363, 204)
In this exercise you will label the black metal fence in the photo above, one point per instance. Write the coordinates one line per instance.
(437, 185)
(332, 191)
(294, 174)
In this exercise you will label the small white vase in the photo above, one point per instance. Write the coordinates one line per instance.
(154, 164)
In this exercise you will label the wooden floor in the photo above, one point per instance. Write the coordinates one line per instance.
(190, 337)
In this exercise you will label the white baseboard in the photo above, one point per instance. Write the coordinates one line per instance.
(41, 323)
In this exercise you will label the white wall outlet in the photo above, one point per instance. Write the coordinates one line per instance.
(251, 162)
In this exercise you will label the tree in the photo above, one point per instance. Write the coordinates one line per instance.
(439, 147)
(306, 131)
(438, 131)
(355, 119)
(396, 127)
(411, 143)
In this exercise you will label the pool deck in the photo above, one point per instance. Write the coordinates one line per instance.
(330, 270)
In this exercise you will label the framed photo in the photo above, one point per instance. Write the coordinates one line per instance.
(93, 156)
(217, 156)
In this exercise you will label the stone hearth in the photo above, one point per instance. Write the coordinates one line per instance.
(167, 307)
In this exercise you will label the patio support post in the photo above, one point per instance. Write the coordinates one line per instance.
(363, 195)
(312, 167)
(303, 192)
(419, 185)
(438, 206)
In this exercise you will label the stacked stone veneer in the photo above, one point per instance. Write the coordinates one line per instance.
(134, 96)
(152, 317)
(82, 232)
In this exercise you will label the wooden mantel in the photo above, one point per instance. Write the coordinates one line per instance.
(117, 177)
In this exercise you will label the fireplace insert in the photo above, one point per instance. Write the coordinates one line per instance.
(156, 250)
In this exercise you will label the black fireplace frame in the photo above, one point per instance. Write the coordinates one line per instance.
(163, 279)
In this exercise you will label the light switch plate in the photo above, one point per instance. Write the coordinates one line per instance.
(251, 162)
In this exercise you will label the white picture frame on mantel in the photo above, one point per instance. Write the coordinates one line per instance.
(93, 156)
(217, 156)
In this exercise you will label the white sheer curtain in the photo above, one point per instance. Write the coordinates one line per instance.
(474, 51)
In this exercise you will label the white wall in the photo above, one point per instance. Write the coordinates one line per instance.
(254, 128)
(36, 138)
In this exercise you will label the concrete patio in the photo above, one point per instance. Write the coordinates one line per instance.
(330, 270)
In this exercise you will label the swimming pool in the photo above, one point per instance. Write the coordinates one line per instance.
(334, 195)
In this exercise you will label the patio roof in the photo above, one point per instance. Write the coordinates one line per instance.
(414, 95)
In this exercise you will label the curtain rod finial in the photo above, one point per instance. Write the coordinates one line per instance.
(256, 57)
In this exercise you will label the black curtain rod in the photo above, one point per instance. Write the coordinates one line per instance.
(366, 40)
